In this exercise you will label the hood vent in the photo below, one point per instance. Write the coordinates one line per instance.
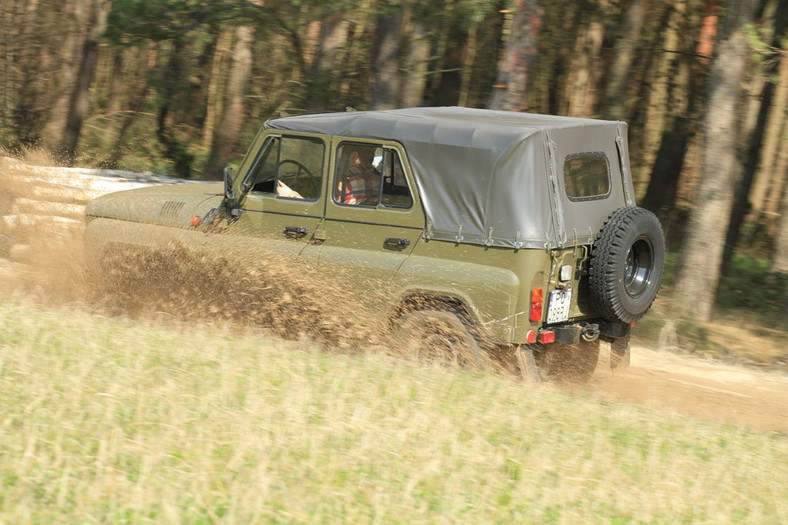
(171, 209)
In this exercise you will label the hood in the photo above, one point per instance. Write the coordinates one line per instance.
(163, 205)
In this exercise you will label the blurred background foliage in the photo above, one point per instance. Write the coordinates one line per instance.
(181, 86)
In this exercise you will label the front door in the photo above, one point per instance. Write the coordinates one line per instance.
(285, 193)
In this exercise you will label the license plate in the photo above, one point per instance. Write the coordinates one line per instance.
(558, 309)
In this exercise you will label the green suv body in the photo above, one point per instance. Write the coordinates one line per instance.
(524, 227)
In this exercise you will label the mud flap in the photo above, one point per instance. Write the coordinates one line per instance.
(527, 363)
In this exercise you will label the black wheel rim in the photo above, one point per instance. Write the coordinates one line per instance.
(639, 269)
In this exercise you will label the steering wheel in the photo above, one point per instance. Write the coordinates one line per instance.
(300, 169)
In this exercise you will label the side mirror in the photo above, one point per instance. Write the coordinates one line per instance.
(229, 189)
(230, 198)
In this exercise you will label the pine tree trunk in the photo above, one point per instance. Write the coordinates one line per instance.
(767, 188)
(226, 134)
(468, 63)
(616, 97)
(699, 271)
(115, 83)
(682, 80)
(581, 95)
(354, 61)
(80, 98)
(54, 130)
(213, 103)
(386, 85)
(666, 172)
(741, 203)
(138, 94)
(332, 42)
(415, 81)
(780, 261)
(515, 73)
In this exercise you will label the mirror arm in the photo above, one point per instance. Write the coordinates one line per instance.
(230, 197)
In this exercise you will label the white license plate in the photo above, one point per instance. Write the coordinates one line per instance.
(558, 309)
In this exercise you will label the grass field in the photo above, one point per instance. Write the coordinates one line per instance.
(113, 421)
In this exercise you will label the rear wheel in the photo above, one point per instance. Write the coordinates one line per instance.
(439, 338)
(568, 363)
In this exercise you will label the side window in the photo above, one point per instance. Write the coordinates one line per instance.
(262, 175)
(290, 167)
(586, 176)
(396, 193)
(300, 168)
(370, 175)
(357, 180)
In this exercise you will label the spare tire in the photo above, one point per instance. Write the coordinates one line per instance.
(626, 264)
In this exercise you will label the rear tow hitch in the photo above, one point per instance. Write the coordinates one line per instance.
(590, 332)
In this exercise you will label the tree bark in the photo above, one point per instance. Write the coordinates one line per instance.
(332, 42)
(115, 83)
(616, 99)
(682, 78)
(515, 73)
(666, 172)
(780, 260)
(415, 81)
(54, 130)
(699, 271)
(386, 83)
(213, 102)
(136, 99)
(581, 96)
(226, 134)
(79, 103)
(741, 202)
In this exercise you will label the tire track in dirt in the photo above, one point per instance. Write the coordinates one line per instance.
(704, 389)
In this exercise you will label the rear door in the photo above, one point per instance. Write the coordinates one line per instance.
(373, 215)
(587, 180)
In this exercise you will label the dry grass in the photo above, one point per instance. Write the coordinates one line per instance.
(112, 421)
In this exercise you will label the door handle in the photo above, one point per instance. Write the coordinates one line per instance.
(296, 231)
(394, 241)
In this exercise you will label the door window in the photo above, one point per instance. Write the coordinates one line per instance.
(370, 175)
(289, 167)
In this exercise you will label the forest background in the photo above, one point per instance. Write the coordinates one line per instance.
(181, 86)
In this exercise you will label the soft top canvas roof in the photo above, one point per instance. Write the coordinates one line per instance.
(485, 177)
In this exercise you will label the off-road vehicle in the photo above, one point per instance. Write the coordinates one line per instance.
(511, 229)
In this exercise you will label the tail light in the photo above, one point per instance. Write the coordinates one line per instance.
(537, 300)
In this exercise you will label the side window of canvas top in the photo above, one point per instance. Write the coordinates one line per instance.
(586, 176)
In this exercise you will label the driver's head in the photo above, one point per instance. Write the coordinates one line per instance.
(363, 156)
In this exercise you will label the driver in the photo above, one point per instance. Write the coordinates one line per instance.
(360, 183)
